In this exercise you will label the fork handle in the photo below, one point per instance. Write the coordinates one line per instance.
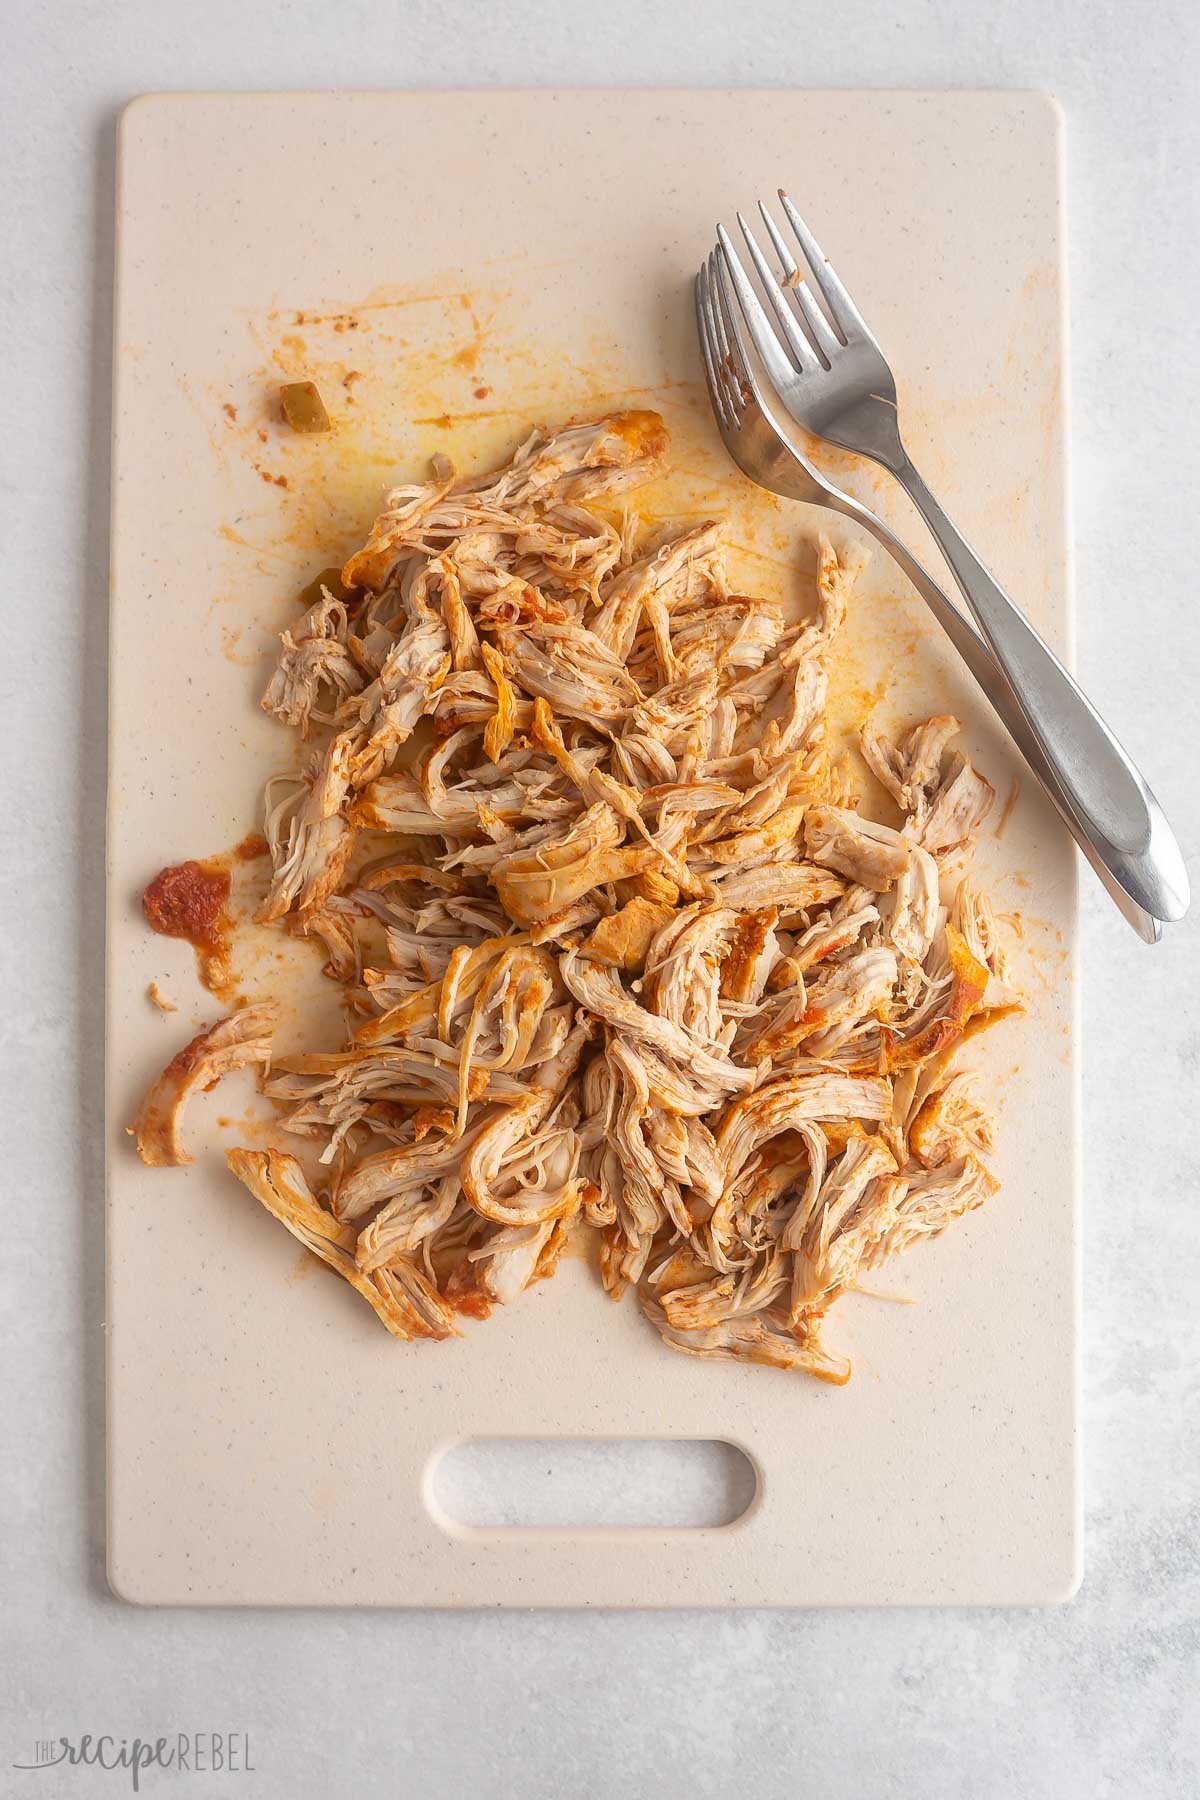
(1098, 788)
(999, 695)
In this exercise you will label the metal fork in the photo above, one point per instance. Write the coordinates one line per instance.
(763, 452)
(833, 380)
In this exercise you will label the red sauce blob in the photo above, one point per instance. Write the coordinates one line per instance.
(185, 902)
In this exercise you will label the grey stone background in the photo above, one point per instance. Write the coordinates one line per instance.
(1098, 1699)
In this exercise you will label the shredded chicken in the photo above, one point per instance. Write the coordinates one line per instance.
(243, 1040)
(619, 945)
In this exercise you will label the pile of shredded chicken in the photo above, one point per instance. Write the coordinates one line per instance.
(618, 944)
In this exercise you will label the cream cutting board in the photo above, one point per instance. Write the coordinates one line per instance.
(450, 267)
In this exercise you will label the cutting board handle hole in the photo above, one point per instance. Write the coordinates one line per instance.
(581, 1484)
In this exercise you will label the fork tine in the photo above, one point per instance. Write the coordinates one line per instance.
(739, 390)
(798, 344)
(843, 311)
(820, 330)
(710, 373)
(825, 337)
(779, 367)
(789, 273)
(739, 361)
(719, 345)
(707, 334)
(720, 333)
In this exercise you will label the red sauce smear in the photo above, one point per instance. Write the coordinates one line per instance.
(471, 1306)
(188, 901)
(250, 849)
(185, 901)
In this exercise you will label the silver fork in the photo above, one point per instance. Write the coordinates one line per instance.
(763, 452)
(833, 380)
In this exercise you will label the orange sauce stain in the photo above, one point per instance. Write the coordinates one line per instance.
(302, 1268)
(252, 848)
(231, 637)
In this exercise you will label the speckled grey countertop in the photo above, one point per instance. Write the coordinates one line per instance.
(1094, 1700)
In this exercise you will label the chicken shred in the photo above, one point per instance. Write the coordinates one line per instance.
(628, 953)
(243, 1040)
